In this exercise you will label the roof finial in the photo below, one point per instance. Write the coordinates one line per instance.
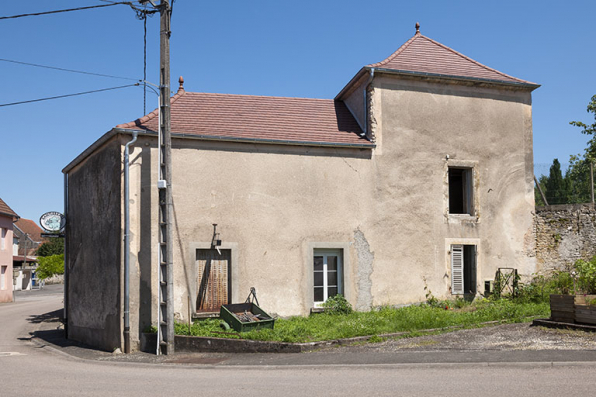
(181, 81)
(417, 27)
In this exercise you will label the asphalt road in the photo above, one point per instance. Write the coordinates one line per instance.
(33, 369)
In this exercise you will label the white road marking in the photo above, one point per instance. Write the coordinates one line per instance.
(4, 354)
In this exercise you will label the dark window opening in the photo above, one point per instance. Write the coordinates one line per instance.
(460, 191)
(470, 269)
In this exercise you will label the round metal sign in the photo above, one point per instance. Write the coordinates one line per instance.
(52, 221)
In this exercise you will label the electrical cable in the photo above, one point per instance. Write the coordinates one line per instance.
(69, 9)
(68, 70)
(68, 95)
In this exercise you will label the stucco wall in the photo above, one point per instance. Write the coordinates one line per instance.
(387, 209)
(425, 127)
(564, 234)
(6, 259)
(94, 244)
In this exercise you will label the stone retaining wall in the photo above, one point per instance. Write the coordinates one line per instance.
(564, 234)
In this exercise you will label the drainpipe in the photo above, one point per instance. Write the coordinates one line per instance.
(66, 275)
(127, 248)
(366, 86)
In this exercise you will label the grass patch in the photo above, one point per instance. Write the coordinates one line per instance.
(385, 320)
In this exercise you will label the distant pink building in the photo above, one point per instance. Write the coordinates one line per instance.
(7, 219)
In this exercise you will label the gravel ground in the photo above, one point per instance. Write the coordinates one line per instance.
(501, 337)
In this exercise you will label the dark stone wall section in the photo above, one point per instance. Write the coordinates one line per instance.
(94, 246)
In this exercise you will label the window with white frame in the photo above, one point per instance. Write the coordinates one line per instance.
(3, 276)
(327, 274)
(15, 246)
(3, 239)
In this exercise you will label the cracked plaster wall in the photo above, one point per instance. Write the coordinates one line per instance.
(365, 257)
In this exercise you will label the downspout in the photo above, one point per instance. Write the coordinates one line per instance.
(127, 247)
(366, 86)
(66, 295)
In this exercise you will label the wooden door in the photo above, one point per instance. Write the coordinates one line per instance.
(213, 279)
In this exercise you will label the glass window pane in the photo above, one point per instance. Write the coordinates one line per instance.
(318, 294)
(318, 263)
(332, 263)
(318, 279)
(332, 291)
(332, 278)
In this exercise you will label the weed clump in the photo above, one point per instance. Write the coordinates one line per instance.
(337, 305)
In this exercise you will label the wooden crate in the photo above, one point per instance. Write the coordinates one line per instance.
(227, 313)
(584, 313)
(562, 308)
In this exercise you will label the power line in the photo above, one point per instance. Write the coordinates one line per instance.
(67, 70)
(68, 95)
(69, 9)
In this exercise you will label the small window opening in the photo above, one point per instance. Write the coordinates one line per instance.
(460, 191)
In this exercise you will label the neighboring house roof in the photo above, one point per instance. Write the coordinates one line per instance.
(426, 57)
(30, 227)
(33, 239)
(21, 258)
(6, 210)
(245, 118)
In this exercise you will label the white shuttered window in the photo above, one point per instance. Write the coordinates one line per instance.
(457, 269)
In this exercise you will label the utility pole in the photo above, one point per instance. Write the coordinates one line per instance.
(166, 269)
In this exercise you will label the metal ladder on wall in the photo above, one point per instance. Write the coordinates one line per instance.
(165, 332)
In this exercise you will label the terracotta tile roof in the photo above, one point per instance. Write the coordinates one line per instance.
(243, 117)
(30, 227)
(6, 210)
(421, 54)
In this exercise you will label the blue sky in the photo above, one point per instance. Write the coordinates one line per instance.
(281, 48)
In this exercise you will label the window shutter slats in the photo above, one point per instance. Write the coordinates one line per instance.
(457, 269)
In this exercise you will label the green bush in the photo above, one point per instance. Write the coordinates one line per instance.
(50, 266)
(586, 276)
(337, 305)
(560, 282)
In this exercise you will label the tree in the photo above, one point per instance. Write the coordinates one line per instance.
(54, 246)
(578, 180)
(578, 174)
(556, 185)
(589, 129)
(50, 266)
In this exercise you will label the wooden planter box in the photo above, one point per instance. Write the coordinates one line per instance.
(584, 313)
(562, 308)
(572, 309)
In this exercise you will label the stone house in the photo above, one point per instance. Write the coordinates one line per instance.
(7, 219)
(419, 173)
